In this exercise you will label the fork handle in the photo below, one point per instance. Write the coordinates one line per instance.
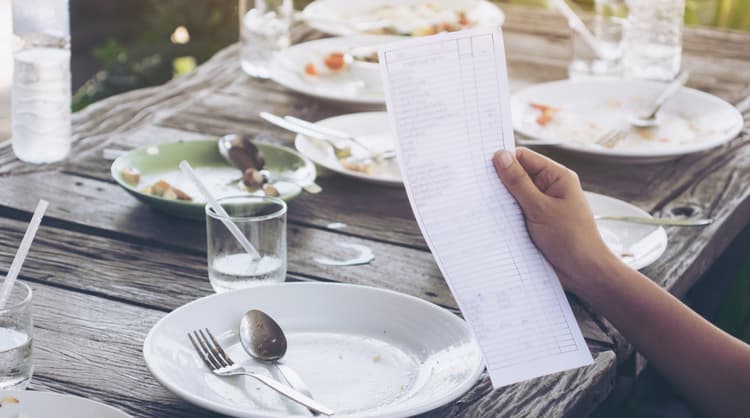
(291, 393)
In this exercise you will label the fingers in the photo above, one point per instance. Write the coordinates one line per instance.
(549, 176)
(518, 181)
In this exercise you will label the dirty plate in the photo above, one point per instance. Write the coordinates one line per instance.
(15, 404)
(349, 343)
(160, 162)
(691, 121)
(372, 129)
(346, 17)
(638, 245)
(352, 84)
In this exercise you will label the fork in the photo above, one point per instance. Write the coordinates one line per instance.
(611, 138)
(220, 364)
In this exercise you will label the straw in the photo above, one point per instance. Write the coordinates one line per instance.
(577, 25)
(23, 251)
(216, 207)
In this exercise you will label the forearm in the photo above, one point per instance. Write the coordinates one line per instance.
(711, 368)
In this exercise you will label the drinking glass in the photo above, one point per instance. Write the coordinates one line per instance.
(16, 339)
(262, 220)
(264, 31)
(607, 28)
(653, 39)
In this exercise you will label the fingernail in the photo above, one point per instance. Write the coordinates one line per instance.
(506, 159)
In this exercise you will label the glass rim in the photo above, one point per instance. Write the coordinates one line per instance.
(23, 302)
(276, 214)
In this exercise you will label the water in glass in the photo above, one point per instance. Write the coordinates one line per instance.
(15, 359)
(264, 31)
(239, 271)
(653, 39)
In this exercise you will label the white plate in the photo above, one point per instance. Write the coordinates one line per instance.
(45, 405)
(364, 352)
(335, 16)
(288, 69)
(642, 244)
(373, 128)
(692, 121)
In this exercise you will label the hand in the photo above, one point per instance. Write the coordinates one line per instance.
(558, 216)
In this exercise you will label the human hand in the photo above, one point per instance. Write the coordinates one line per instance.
(558, 216)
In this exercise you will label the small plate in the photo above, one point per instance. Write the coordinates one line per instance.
(45, 404)
(335, 17)
(638, 245)
(160, 162)
(373, 128)
(288, 69)
(363, 351)
(691, 121)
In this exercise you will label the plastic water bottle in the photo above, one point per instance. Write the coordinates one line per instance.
(41, 92)
(653, 39)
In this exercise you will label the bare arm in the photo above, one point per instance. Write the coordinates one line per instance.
(709, 367)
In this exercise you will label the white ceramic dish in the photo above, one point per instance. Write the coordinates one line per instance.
(348, 86)
(341, 17)
(638, 245)
(46, 405)
(691, 121)
(364, 352)
(374, 130)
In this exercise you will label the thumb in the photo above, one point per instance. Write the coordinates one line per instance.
(517, 181)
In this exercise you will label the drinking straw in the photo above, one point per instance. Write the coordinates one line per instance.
(23, 251)
(216, 207)
(577, 25)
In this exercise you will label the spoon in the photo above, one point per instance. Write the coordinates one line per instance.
(264, 340)
(225, 144)
(655, 221)
(647, 117)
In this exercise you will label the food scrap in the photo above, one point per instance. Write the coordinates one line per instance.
(331, 63)
(270, 190)
(548, 113)
(360, 167)
(431, 18)
(8, 400)
(165, 190)
(244, 154)
(376, 358)
(131, 175)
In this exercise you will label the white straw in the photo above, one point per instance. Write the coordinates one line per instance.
(577, 25)
(216, 207)
(23, 251)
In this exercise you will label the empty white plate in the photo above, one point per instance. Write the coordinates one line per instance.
(347, 85)
(638, 245)
(347, 17)
(364, 352)
(691, 121)
(372, 129)
(29, 404)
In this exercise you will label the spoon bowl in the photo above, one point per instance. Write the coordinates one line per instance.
(261, 336)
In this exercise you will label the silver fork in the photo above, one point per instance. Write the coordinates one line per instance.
(611, 138)
(220, 364)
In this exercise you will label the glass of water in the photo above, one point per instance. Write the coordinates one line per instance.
(16, 339)
(264, 31)
(262, 220)
(607, 28)
(653, 39)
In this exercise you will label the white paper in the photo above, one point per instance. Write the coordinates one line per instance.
(447, 97)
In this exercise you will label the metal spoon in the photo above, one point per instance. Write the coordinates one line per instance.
(647, 116)
(655, 221)
(225, 143)
(264, 340)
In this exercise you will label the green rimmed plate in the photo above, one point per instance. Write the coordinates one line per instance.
(160, 162)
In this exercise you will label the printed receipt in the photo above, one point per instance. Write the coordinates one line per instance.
(447, 97)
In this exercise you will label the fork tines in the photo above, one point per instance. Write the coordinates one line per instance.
(209, 349)
(611, 138)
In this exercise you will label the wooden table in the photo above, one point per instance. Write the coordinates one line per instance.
(105, 268)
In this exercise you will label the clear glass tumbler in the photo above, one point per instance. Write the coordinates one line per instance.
(264, 31)
(607, 28)
(263, 222)
(16, 337)
(41, 93)
(653, 39)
